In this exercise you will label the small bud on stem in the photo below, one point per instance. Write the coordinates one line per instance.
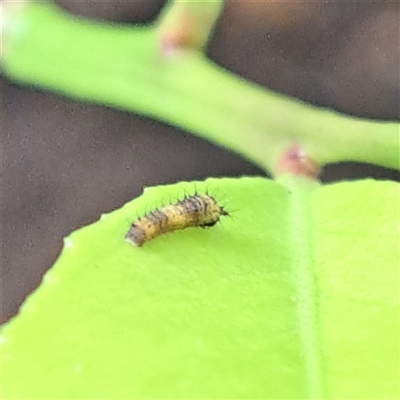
(295, 161)
(187, 24)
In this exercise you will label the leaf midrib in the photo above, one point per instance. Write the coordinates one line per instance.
(304, 281)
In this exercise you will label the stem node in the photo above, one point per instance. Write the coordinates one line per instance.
(296, 162)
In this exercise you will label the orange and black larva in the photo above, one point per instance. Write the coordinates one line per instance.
(197, 210)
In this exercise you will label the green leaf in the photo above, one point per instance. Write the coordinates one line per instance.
(293, 296)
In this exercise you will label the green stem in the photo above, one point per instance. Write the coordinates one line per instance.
(124, 67)
(188, 23)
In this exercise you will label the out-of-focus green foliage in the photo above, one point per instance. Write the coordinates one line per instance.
(132, 68)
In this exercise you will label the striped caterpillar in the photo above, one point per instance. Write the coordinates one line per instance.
(196, 210)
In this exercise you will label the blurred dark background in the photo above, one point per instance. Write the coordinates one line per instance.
(64, 163)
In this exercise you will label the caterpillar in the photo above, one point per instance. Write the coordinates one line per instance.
(196, 210)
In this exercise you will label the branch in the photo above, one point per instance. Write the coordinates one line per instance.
(125, 67)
